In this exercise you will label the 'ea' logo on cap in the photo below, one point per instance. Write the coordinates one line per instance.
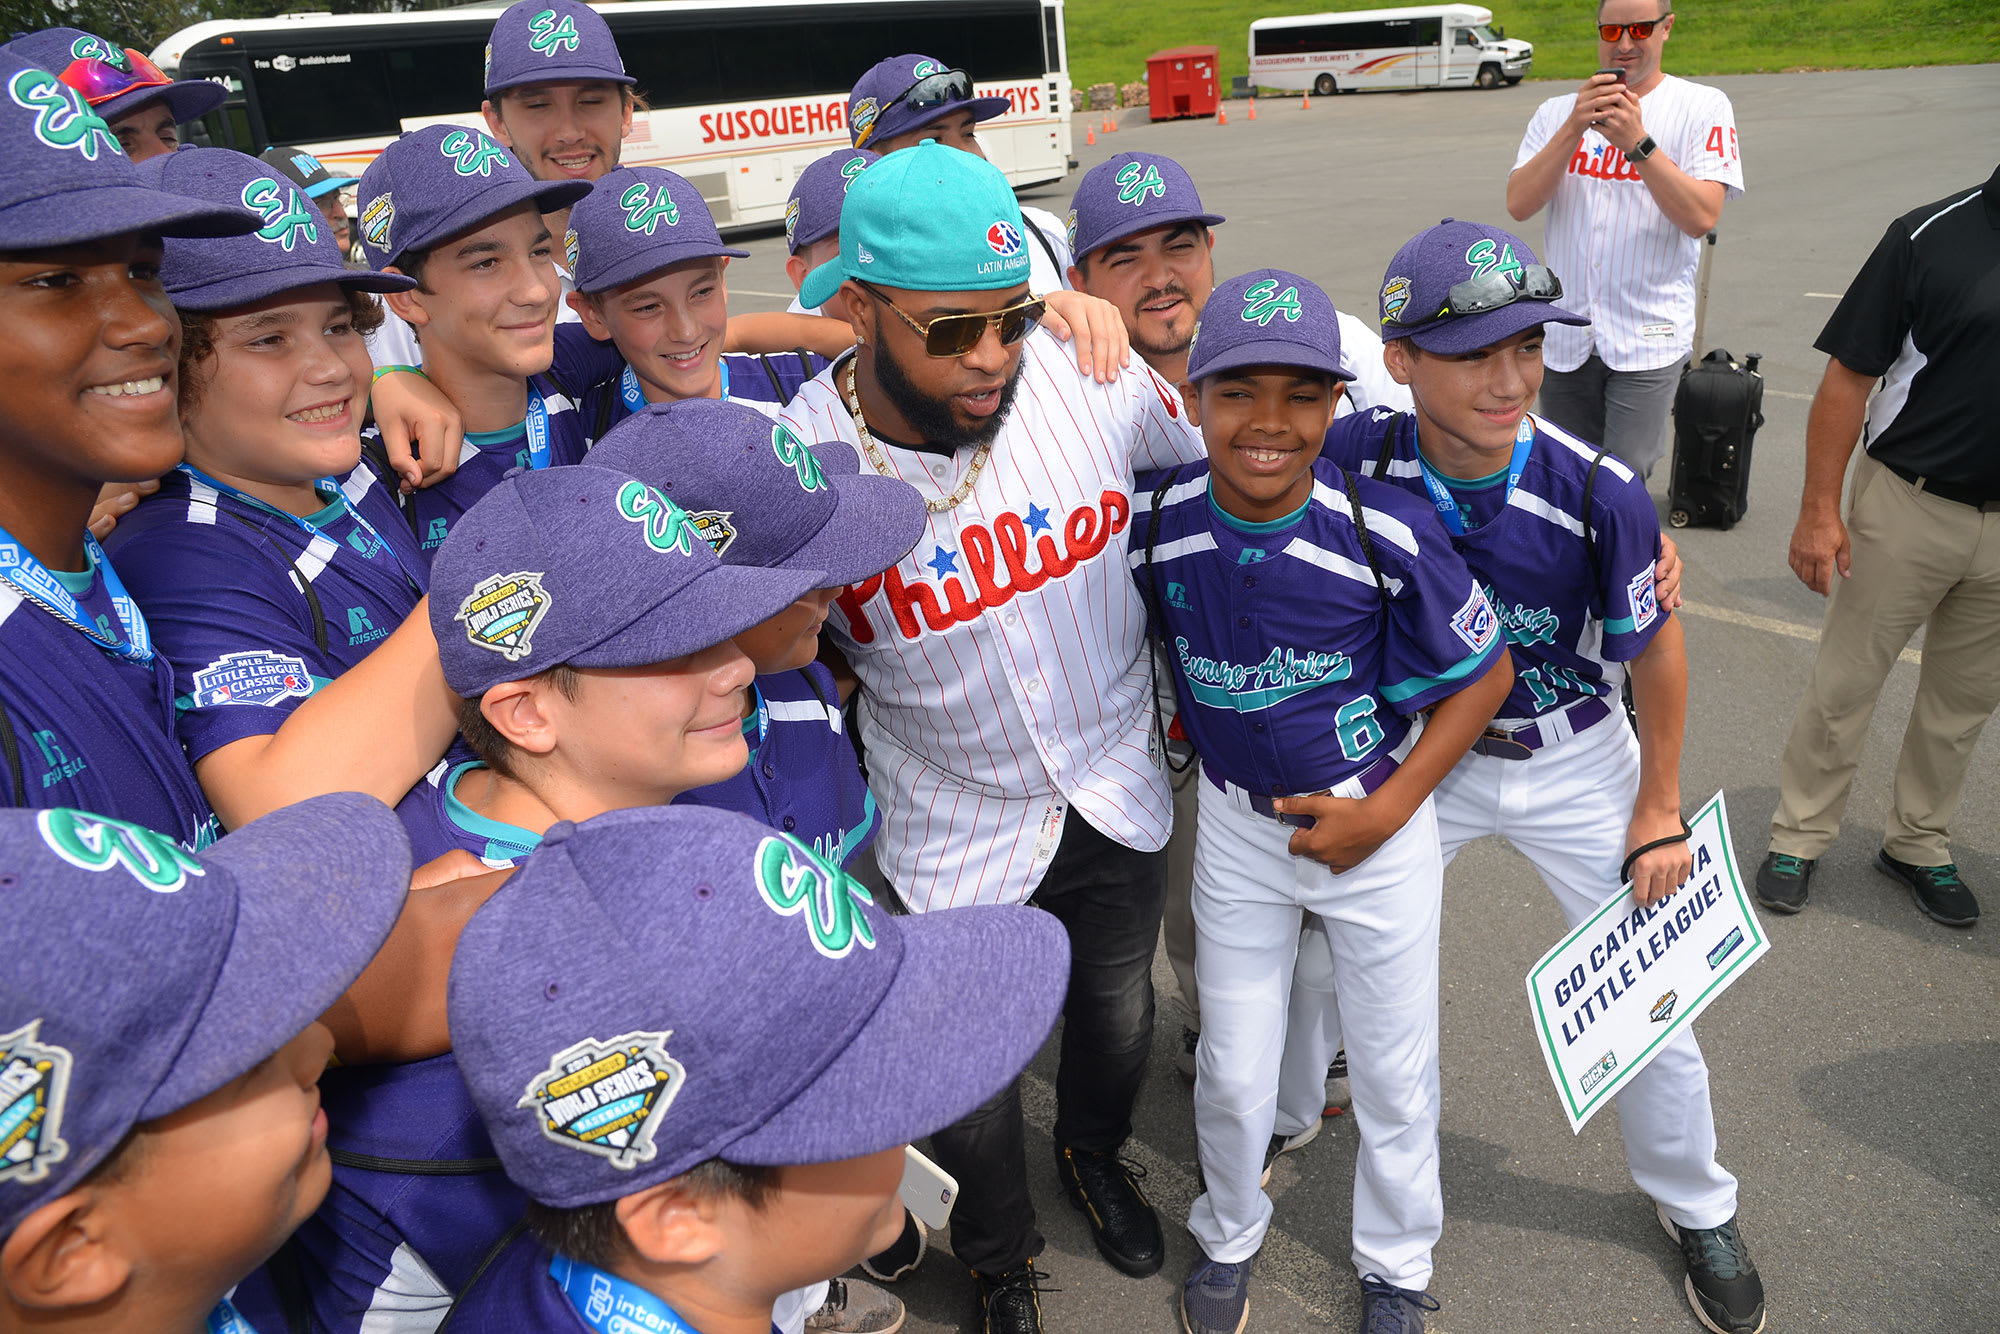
(645, 209)
(547, 36)
(1263, 302)
(285, 215)
(607, 1098)
(1136, 182)
(472, 153)
(96, 48)
(502, 611)
(1484, 257)
(849, 169)
(1395, 295)
(1003, 238)
(925, 68)
(667, 528)
(98, 842)
(34, 1085)
(62, 118)
(796, 455)
(795, 880)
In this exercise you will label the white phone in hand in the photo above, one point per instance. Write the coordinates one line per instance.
(927, 1190)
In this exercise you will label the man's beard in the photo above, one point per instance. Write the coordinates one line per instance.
(932, 418)
(1175, 344)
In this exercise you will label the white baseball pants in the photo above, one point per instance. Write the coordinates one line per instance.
(1381, 934)
(1567, 808)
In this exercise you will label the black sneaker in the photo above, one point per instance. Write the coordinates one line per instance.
(1722, 1283)
(1184, 1058)
(1106, 1188)
(1939, 893)
(1010, 1302)
(903, 1256)
(1782, 881)
(1283, 1144)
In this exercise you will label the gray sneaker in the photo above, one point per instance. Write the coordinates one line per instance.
(1339, 1096)
(1282, 1144)
(854, 1307)
(1782, 881)
(1215, 1299)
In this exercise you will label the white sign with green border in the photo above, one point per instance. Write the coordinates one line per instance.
(1620, 986)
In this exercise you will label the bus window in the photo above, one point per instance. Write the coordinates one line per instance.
(437, 78)
(305, 103)
(1426, 32)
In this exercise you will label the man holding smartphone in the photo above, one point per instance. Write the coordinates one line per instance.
(1634, 168)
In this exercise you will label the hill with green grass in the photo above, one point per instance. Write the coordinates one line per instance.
(1109, 40)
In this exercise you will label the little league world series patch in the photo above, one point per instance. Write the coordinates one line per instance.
(34, 1082)
(607, 1098)
(502, 611)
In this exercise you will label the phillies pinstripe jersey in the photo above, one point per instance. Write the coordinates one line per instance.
(1622, 262)
(1000, 660)
(1574, 611)
(803, 776)
(1290, 676)
(224, 581)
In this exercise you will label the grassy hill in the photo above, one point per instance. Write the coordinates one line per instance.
(1110, 39)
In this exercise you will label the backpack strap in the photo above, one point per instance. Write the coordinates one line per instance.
(288, 1284)
(771, 374)
(1367, 542)
(377, 453)
(11, 744)
(415, 1167)
(298, 577)
(1381, 470)
(1590, 541)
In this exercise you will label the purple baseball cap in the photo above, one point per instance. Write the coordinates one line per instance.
(64, 180)
(141, 977)
(1267, 317)
(598, 1010)
(439, 181)
(293, 249)
(540, 41)
(636, 221)
(115, 80)
(760, 496)
(590, 568)
(1130, 193)
(1417, 291)
(881, 106)
(812, 213)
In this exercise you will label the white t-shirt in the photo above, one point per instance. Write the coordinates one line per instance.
(1622, 262)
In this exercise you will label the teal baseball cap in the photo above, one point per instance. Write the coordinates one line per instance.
(927, 219)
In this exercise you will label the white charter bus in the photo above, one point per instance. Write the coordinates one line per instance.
(745, 93)
(1368, 50)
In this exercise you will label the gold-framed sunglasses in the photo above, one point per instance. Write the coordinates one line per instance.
(956, 335)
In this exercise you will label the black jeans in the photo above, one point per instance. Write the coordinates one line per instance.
(1109, 898)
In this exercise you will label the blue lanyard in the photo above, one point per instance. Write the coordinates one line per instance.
(610, 1305)
(33, 581)
(635, 400)
(226, 1319)
(1447, 504)
(538, 430)
(305, 526)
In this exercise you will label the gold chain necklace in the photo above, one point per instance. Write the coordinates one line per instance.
(881, 465)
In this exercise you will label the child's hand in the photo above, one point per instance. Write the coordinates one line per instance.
(421, 431)
(114, 501)
(1664, 869)
(1094, 324)
(1667, 575)
(1347, 830)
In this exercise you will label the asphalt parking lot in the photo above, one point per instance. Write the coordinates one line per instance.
(1855, 1069)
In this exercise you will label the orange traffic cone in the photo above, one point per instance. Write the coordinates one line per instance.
(1221, 115)
(1107, 124)
(1089, 135)
(1305, 102)
(1253, 108)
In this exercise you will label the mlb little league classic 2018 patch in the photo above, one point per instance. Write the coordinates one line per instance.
(607, 1098)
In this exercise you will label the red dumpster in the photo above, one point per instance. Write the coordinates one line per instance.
(1182, 82)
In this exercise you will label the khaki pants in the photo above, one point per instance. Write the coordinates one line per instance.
(1915, 560)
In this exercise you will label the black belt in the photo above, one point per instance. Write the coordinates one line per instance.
(1370, 780)
(1523, 742)
(1952, 491)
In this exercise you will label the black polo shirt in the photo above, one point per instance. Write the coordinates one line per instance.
(1924, 316)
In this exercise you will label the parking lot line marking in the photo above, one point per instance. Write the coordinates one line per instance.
(1771, 624)
(1826, 296)
(1786, 393)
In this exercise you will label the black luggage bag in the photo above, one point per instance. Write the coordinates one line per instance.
(1717, 409)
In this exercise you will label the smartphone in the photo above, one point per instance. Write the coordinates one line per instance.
(927, 1189)
(1617, 72)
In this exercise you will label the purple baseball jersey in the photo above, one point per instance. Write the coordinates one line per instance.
(516, 1294)
(257, 610)
(1574, 610)
(1291, 678)
(803, 776)
(88, 729)
(418, 1200)
(437, 821)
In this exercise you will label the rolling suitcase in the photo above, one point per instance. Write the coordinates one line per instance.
(1718, 407)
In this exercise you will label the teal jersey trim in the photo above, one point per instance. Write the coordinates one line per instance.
(851, 840)
(483, 440)
(1266, 528)
(1417, 685)
(78, 581)
(504, 842)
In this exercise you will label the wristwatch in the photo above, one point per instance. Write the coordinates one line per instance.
(1642, 150)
